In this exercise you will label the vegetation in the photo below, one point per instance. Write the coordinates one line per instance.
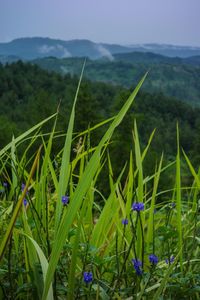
(29, 94)
(173, 77)
(63, 236)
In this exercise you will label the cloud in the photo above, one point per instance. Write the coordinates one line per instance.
(64, 69)
(104, 52)
(57, 50)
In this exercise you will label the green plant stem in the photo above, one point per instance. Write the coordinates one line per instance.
(142, 233)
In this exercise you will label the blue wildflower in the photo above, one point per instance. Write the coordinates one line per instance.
(5, 184)
(23, 187)
(137, 266)
(65, 200)
(124, 221)
(87, 277)
(169, 261)
(153, 259)
(172, 205)
(25, 202)
(138, 206)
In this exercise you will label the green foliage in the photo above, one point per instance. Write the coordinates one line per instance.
(29, 94)
(47, 245)
(173, 77)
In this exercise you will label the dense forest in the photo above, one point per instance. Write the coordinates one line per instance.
(29, 94)
(174, 77)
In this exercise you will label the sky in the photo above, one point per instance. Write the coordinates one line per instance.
(112, 21)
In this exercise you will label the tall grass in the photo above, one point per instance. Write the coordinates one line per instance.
(49, 247)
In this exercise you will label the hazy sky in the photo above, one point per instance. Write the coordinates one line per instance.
(113, 21)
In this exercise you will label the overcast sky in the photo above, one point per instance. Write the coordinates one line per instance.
(112, 21)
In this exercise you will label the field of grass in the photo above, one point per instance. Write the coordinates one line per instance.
(61, 238)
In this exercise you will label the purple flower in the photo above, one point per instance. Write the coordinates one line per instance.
(153, 259)
(138, 206)
(25, 202)
(137, 264)
(172, 205)
(65, 200)
(124, 221)
(169, 261)
(87, 277)
(5, 184)
(23, 187)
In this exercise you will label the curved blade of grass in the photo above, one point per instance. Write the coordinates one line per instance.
(148, 144)
(138, 164)
(13, 165)
(32, 257)
(178, 199)
(23, 135)
(82, 188)
(95, 126)
(65, 164)
(196, 180)
(18, 206)
(40, 187)
(106, 219)
(150, 230)
(130, 185)
(140, 193)
(43, 262)
(192, 170)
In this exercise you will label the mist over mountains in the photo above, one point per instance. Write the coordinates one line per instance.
(38, 47)
(174, 70)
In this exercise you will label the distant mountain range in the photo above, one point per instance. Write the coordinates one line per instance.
(33, 48)
(174, 70)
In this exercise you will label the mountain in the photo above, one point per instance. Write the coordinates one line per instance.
(152, 58)
(8, 59)
(31, 48)
(37, 47)
(167, 50)
(120, 65)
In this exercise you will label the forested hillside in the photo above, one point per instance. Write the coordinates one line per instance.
(174, 77)
(28, 94)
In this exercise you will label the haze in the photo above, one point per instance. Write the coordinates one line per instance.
(120, 21)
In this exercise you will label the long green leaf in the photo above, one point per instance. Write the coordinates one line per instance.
(43, 262)
(150, 229)
(23, 135)
(178, 199)
(65, 165)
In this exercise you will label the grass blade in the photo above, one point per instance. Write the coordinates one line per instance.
(65, 165)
